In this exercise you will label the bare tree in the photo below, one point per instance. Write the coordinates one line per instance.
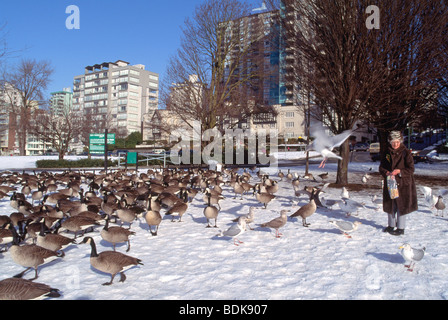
(57, 129)
(217, 75)
(410, 52)
(388, 76)
(3, 45)
(327, 41)
(29, 79)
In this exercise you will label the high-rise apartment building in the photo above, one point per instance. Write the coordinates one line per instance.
(116, 96)
(272, 54)
(61, 102)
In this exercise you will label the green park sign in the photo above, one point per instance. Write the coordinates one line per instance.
(96, 142)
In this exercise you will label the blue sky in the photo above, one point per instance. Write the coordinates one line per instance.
(138, 31)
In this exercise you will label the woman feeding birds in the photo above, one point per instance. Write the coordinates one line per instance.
(397, 164)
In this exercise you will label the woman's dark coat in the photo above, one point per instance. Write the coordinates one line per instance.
(401, 158)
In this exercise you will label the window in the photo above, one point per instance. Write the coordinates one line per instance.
(289, 124)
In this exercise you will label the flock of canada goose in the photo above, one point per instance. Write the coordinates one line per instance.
(53, 210)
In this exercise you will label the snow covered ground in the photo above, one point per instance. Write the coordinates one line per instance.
(187, 261)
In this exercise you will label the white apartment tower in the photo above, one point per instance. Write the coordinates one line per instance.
(115, 96)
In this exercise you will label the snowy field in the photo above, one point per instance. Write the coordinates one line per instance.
(187, 261)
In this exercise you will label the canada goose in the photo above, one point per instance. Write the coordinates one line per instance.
(238, 189)
(178, 209)
(6, 236)
(289, 175)
(277, 223)
(4, 220)
(26, 189)
(7, 189)
(295, 181)
(191, 193)
(39, 193)
(25, 207)
(78, 223)
(264, 197)
(30, 255)
(125, 214)
(211, 212)
(108, 207)
(22, 289)
(17, 218)
(167, 200)
(306, 211)
(214, 198)
(32, 228)
(68, 192)
(92, 215)
(3, 195)
(111, 262)
(116, 235)
(153, 217)
(309, 176)
(52, 241)
(272, 188)
(323, 176)
(53, 197)
(281, 175)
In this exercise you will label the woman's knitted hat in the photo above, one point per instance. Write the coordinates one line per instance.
(395, 135)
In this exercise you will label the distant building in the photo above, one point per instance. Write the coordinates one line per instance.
(61, 102)
(116, 96)
(273, 54)
(10, 105)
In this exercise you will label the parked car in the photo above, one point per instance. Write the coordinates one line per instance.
(375, 151)
(360, 146)
(421, 156)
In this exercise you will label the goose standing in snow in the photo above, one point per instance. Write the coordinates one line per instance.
(111, 262)
(22, 289)
(116, 235)
(30, 256)
(153, 217)
(211, 212)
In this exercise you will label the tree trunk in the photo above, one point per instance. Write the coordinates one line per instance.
(342, 171)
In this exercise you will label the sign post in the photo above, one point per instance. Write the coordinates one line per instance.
(105, 150)
(98, 144)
